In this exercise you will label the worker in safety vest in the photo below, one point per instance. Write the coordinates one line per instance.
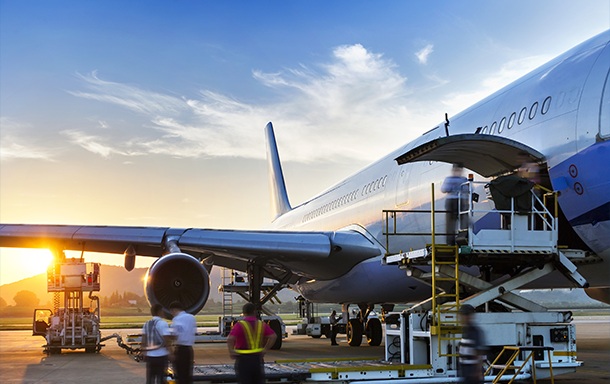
(248, 342)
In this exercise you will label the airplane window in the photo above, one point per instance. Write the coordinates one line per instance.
(533, 110)
(385, 178)
(546, 104)
(493, 127)
(511, 120)
(501, 125)
(522, 115)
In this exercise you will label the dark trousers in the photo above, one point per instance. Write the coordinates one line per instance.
(156, 370)
(250, 369)
(183, 364)
(470, 373)
(451, 218)
(333, 334)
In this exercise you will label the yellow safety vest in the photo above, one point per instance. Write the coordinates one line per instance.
(254, 337)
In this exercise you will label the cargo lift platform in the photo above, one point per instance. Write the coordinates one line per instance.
(484, 269)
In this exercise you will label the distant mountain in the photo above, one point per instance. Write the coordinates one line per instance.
(112, 278)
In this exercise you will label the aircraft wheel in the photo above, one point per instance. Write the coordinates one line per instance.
(374, 332)
(354, 332)
(276, 326)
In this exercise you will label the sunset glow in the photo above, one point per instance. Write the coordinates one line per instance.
(114, 113)
(15, 264)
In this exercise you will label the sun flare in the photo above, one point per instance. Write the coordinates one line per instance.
(16, 264)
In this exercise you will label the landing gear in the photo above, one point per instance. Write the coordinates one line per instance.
(365, 323)
(354, 332)
(374, 332)
(259, 293)
(276, 326)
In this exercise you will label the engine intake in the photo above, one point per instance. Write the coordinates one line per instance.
(177, 277)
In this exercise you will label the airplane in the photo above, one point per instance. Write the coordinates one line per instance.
(331, 247)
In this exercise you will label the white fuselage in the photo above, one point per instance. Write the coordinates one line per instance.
(561, 110)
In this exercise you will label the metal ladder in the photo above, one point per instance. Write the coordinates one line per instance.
(227, 295)
(445, 304)
(509, 365)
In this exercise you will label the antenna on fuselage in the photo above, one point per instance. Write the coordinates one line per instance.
(446, 124)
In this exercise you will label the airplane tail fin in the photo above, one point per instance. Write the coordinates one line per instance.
(279, 196)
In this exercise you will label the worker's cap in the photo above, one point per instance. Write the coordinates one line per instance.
(466, 309)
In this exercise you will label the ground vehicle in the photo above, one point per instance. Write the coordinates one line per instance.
(72, 326)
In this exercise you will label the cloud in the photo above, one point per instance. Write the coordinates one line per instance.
(13, 147)
(353, 106)
(422, 55)
(493, 82)
(95, 144)
(127, 96)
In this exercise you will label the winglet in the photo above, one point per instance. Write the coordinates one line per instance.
(279, 196)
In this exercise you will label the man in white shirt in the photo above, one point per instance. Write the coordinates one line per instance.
(155, 343)
(184, 328)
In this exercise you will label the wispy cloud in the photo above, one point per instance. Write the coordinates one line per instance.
(423, 54)
(352, 106)
(96, 144)
(13, 146)
(128, 96)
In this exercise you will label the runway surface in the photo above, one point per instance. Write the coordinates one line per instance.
(22, 360)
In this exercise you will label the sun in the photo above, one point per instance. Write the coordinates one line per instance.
(17, 264)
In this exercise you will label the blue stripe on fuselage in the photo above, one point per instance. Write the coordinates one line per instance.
(594, 216)
(584, 183)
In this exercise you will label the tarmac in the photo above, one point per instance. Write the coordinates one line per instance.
(22, 359)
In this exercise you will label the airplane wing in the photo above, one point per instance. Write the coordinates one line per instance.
(324, 255)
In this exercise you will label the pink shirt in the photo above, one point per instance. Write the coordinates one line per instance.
(241, 340)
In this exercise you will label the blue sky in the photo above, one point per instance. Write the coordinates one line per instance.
(152, 112)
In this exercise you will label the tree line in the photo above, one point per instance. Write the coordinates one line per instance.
(28, 300)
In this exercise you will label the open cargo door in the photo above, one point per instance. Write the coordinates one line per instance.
(487, 155)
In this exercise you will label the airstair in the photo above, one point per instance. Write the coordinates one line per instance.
(485, 268)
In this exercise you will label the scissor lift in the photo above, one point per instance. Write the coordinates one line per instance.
(72, 326)
(474, 272)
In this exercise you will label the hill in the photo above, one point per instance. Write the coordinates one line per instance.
(112, 278)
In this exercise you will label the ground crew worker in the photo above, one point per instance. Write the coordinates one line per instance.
(334, 327)
(184, 329)
(248, 342)
(155, 342)
(471, 348)
(455, 201)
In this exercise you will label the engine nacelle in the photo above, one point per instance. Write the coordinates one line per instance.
(177, 277)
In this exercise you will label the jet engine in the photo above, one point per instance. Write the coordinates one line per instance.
(177, 277)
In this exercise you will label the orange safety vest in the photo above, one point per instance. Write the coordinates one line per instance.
(254, 337)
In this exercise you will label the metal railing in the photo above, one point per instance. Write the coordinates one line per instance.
(540, 218)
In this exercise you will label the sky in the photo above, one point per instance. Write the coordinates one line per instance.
(152, 113)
